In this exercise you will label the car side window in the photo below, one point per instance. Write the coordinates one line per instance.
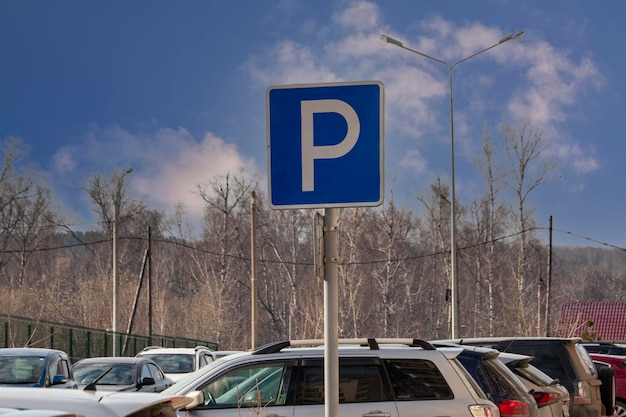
(156, 372)
(252, 386)
(145, 371)
(358, 382)
(417, 379)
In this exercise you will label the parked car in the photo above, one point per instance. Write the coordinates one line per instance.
(89, 404)
(120, 374)
(607, 348)
(178, 362)
(14, 412)
(552, 398)
(618, 364)
(496, 380)
(35, 367)
(377, 377)
(222, 353)
(564, 359)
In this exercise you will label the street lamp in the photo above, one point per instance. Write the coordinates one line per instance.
(454, 324)
(117, 196)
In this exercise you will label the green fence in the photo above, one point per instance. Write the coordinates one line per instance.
(82, 342)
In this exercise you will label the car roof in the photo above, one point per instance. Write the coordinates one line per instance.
(30, 352)
(520, 338)
(117, 359)
(159, 349)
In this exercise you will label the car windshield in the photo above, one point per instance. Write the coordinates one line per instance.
(20, 369)
(104, 373)
(173, 363)
(183, 385)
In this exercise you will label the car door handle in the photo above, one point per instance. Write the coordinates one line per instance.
(377, 413)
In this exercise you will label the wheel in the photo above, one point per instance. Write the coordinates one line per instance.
(607, 389)
(620, 408)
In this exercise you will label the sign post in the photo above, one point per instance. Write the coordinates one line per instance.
(325, 150)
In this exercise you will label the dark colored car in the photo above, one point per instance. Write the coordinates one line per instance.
(497, 381)
(564, 359)
(35, 367)
(120, 374)
(606, 348)
(552, 398)
(618, 364)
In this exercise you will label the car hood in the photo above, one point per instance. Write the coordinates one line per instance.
(92, 404)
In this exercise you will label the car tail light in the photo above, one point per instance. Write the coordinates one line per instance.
(545, 398)
(582, 394)
(484, 410)
(513, 408)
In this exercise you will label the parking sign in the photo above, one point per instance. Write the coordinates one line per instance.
(325, 144)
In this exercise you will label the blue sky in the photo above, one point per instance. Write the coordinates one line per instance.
(176, 90)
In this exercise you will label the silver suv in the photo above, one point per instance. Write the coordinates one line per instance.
(377, 377)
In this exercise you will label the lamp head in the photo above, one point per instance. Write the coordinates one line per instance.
(388, 39)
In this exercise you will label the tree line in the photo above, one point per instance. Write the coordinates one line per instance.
(394, 263)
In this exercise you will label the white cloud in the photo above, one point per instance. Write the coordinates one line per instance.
(291, 63)
(416, 88)
(168, 165)
(360, 16)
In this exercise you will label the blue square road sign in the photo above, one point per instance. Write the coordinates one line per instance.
(325, 144)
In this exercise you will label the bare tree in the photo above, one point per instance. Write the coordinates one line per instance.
(528, 170)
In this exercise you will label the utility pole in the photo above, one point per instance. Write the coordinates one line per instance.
(117, 196)
(254, 302)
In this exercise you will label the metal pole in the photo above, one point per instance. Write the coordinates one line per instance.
(331, 321)
(454, 299)
(454, 286)
(150, 285)
(253, 309)
(115, 278)
(116, 207)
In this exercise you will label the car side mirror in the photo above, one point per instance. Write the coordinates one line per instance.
(59, 379)
(197, 398)
(148, 381)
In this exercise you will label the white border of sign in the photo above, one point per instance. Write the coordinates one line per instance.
(381, 162)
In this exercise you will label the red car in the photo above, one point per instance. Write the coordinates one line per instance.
(618, 363)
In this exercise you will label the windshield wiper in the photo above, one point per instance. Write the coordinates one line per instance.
(92, 385)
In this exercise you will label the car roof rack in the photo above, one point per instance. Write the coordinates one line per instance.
(372, 343)
(152, 347)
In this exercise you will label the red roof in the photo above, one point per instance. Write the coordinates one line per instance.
(608, 317)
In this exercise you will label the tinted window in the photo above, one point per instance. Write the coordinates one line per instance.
(156, 372)
(551, 358)
(145, 371)
(173, 363)
(417, 380)
(359, 381)
(491, 377)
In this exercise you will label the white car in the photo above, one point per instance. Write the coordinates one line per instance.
(377, 377)
(178, 362)
(37, 402)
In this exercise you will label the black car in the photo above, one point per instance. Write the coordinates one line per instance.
(35, 367)
(606, 348)
(120, 374)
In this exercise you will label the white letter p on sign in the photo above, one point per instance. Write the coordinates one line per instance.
(310, 152)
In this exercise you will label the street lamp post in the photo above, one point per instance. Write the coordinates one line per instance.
(454, 322)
